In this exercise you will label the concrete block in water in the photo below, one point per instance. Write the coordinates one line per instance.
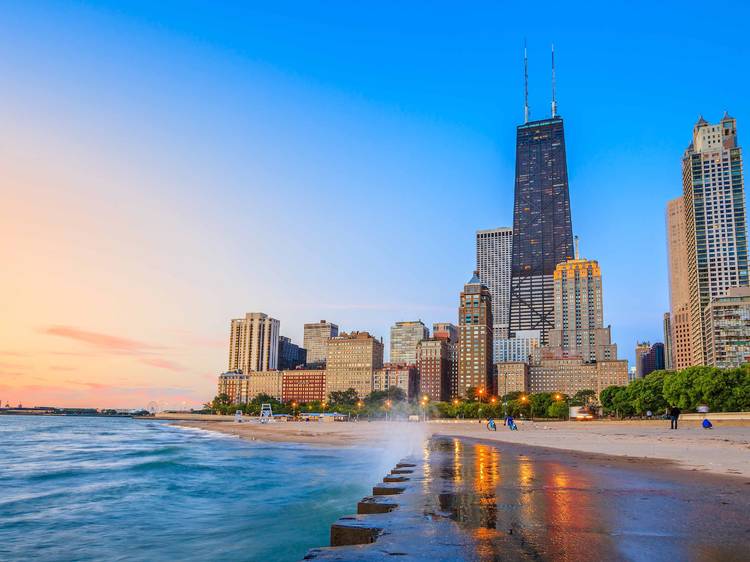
(353, 530)
(376, 504)
(395, 478)
(402, 471)
(387, 489)
(405, 465)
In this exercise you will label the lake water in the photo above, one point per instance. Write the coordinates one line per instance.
(75, 488)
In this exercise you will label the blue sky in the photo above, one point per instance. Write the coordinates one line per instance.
(186, 162)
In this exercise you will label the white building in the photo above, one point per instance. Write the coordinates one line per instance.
(714, 198)
(494, 254)
(404, 339)
(518, 349)
(253, 343)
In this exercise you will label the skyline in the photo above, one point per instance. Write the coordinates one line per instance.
(147, 156)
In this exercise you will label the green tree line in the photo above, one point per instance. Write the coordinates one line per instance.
(393, 403)
(722, 390)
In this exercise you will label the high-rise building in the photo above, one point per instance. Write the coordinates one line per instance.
(578, 312)
(351, 362)
(494, 253)
(445, 329)
(679, 287)
(728, 329)
(652, 360)
(253, 343)
(518, 349)
(542, 228)
(714, 197)
(434, 366)
(315, 341)
(449, 332)
(401, 375)
(667, 327)
(291, 355)
(475, 336)
(641, 348)
(404, 339)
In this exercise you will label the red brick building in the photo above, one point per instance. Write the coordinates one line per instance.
(303, 386)
(434, 366)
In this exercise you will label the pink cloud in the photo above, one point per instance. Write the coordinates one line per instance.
(163, 364)
(104, 342)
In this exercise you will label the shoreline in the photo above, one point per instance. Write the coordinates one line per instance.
(724, 451)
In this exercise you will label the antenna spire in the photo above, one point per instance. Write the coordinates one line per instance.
(525, 84)
(554, 101)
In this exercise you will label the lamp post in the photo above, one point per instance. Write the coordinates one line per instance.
(567, 404)
(525, 399)
(505, 396)
(423, 402)
(387, 408)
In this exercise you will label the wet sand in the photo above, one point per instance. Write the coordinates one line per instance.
(553, 494)
(528, 503)
(724, 450)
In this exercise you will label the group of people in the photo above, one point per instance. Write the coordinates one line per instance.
(509, 422)
(673, 413)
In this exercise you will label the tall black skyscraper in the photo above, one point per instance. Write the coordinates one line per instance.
(542, 229)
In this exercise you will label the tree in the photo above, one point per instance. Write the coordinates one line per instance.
(540, 403)
(558, 409)
(348, 397)
(606, 397)
(621, 403)
(583, 398)
(647, 394)
(471, 393)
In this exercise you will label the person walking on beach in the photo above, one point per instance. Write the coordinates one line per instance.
(674, 415)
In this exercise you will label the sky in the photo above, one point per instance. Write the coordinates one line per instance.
(168, 166)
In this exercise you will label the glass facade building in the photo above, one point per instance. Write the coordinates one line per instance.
(542, 227)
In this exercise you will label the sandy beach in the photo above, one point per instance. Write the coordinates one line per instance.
(722, 451)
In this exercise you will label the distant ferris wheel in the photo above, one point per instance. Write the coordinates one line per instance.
(153, 407)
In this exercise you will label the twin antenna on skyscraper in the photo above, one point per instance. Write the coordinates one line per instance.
(526, 110)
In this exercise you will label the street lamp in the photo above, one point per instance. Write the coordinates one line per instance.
(423, 403)
(525, 399)
(567, 404)
(480, 392)
(294, 407)
(387, 407)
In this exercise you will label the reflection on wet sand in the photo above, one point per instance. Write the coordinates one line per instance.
(523, 507)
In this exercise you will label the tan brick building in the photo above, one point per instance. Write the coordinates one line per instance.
(400, 375)
(569, 375)
(679, 286)
(512, 376)
(352, 361)
(475, 333)
(579, 312)
(243, 387)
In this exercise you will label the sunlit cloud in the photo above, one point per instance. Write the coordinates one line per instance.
(162, 364)
(103, 342)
